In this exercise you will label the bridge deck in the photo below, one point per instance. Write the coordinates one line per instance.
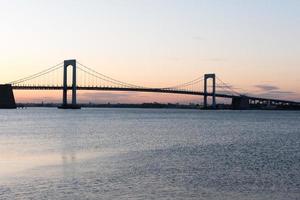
(155, 90)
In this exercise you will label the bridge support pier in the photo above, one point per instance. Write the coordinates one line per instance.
(65, 104)
(7, 99)
(240, 103)
(213, 93)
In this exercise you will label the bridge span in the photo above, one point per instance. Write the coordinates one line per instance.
(152, 90)
(89, 79)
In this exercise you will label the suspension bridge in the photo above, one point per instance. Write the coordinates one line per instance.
(83, 77)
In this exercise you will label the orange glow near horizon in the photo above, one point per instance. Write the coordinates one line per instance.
(104, 97)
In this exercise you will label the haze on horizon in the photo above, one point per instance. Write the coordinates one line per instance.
(251, 44)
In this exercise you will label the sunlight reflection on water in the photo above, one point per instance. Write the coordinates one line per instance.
(11, 163)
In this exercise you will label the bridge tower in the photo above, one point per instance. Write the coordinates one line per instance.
(65, 104)
(213, 93)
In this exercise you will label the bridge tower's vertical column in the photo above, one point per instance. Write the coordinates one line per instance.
(74, 85)
(205, 92)
(65, 84)
(68, 63)
(213, 93)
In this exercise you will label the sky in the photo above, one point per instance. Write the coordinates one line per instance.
(254, 45)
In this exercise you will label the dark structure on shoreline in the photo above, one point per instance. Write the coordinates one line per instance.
(7, 99)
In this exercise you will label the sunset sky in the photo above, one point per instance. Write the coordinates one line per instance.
(251, 44)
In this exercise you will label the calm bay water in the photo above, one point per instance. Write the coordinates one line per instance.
(47, 153)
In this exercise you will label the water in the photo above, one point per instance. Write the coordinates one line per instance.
(47, 153)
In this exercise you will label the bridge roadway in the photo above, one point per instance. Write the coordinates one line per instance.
(155, 90)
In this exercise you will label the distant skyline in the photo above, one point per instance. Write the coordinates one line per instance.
(252, 44)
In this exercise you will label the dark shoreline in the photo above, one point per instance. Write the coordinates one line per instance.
(117, 105)
(153, 105)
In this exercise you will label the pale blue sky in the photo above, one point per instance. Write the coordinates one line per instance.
(247, 43)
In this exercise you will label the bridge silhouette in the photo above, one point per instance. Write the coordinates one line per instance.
(85, 78)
